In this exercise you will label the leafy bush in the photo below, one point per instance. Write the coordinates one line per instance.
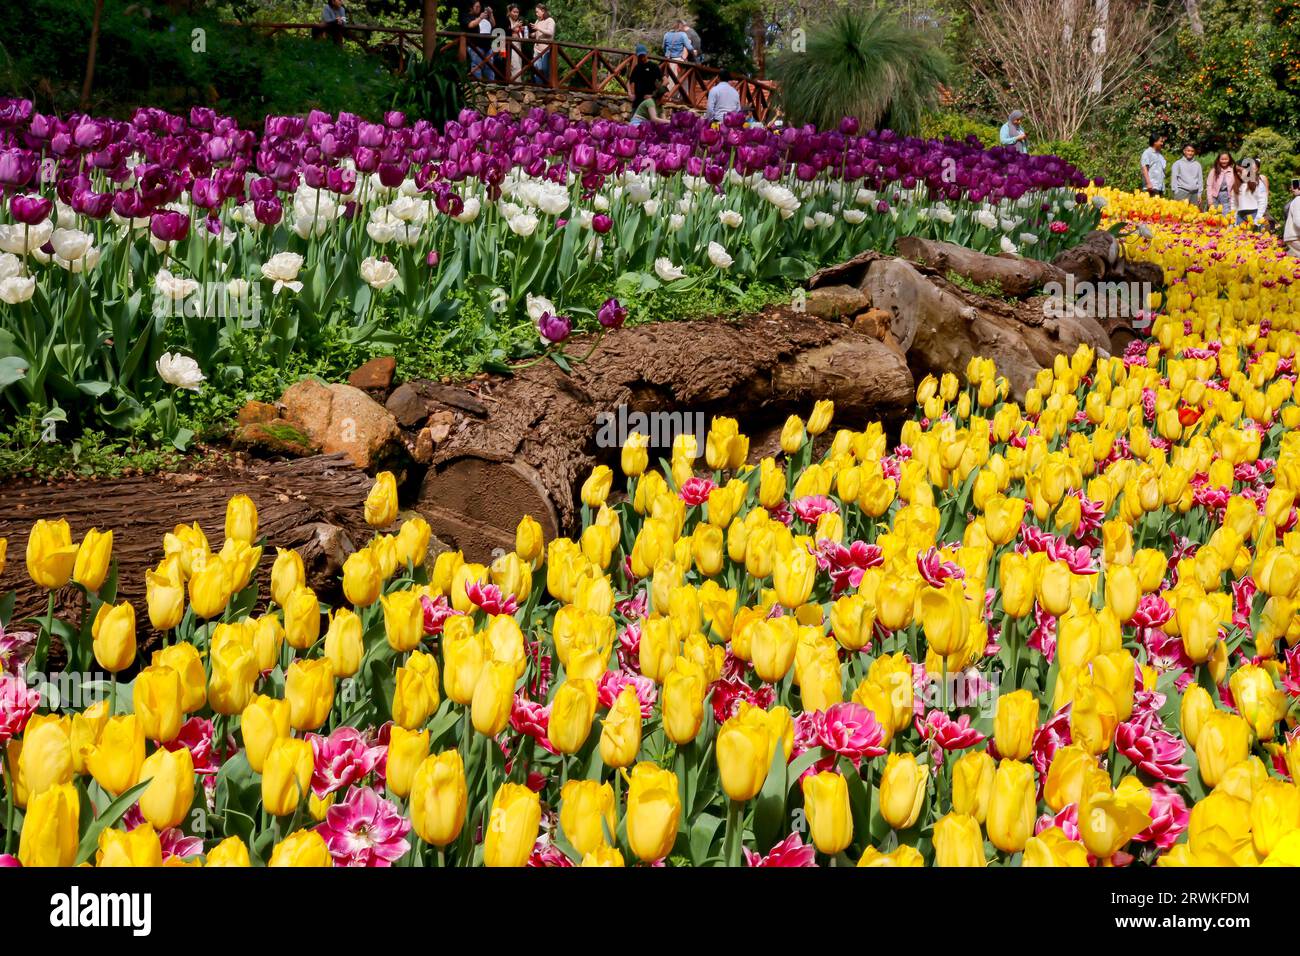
(870, 65)
(957, 126)
(161, 60)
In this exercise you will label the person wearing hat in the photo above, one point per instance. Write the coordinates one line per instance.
(646, 77)
(1013, 133)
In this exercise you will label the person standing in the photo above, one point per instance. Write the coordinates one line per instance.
(677, 49)
(1251, 199)
(334, 20)
(1153, 166)
(1291, 228)
(1187, 179)
(480, 22)
(543, 31)
(723, 99)
(518, 31)
(1221, 185)
(1013, 132)
(646, 76)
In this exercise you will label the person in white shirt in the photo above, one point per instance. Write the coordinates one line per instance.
(1252, 193)
(482, 22)
(543, 29)
(723, 99)
(1291, 228)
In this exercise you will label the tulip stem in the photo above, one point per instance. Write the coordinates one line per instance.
(9, 807)
(732, 841)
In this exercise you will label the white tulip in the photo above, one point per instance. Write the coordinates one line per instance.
(666, 271)
(282, 269)
(1008, 246)
(378, 273)
(719, 257)
(19, 239)
(1028, 238)
(172, 287)
(179, 370)
(986, 219)
(10, 265)
(651, 207)
(382, 232)
(854, 216)
(730, 218)
(524, 224)
(536, 306)
(675, 222)
(17, 289)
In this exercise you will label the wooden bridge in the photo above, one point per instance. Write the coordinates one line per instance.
(553, 64)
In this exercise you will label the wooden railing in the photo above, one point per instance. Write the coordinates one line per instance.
(553, 64)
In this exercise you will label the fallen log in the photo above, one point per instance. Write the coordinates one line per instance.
(941, 327)
(315, 505)
(1014, 275)
(543, 430)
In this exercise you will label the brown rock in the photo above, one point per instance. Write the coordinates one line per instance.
(256, 412)
(407, 405)
(375, 375)
(832, 301)
(278, 435)
(423, 450)
(440, 425)
(342, 418)
(875, 323)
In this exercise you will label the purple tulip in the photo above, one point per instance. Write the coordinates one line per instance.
(554, 329)
(169, 226)
(205, 193)
(17, 167)
(611, 314)
(30, 210)
(602, 223)
(431, 260)
(268, 211)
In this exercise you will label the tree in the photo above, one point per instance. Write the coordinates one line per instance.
(1061, 60)
(869, 64)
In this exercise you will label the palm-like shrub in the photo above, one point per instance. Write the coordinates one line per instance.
(867, 64)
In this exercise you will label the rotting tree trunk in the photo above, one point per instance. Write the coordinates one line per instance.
(1012, 274)
(540, 437)
(315, 505)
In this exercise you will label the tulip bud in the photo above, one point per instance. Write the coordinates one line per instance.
(344, 643)
(159, 702)
(116, 760)
(167, 799)
(653, 811)
(165, 598)
(286, 775)
(407, 749)
(140, 847)
(743, 755)
(830, 817)
(305, 848)
(1015, 723)
(494, 696)
(620, 736)
(113, 632)
(46, 758)
(403, 620)
(50, 831)
(513, 825)
(1223, 741)
(438, 798)
(241, 519)
(287, 575)
(264, 721)
(234, 672)
(1010, 819)
(587, 814)
(381, 502)
(972, 784)
(958, 842)
(415, 695)
(902, 790)
(230, 852)
(51, 555)
(93, 559)
(361, 578)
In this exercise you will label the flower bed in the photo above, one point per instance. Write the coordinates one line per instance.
(1061, 633)
(139, 257)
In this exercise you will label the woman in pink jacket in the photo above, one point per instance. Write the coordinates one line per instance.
(1221, 185)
